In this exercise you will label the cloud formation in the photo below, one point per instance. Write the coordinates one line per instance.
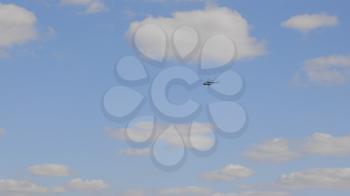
(188, 190)
(91, 6)
(324, 178)
(11, 187)
(49, 170)
(319, 144)
(197, 136)
(17, 26)
(79, 184)
(208, 22)
(21, 187)
(229, 173)
(327, 145)
(325, 70)
(275, 150)
(254, 193)
(308, 22)
(199, 191)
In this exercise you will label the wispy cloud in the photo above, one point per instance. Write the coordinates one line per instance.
(90, 6)
(12, 187)
(275, 150)
(188, 190)
(49, 170)
(229, 173)
(319, 144)
(200, 191)
(321, 178)
(327, 145)
(198, 135)
(308, 22)
(23, 187)
(81, 185)
(325, 70)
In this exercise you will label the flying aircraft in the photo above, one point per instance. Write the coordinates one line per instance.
(209, 82)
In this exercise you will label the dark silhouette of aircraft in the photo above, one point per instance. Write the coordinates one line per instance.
(209, 82)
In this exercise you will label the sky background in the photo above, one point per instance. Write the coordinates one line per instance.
(52, 84)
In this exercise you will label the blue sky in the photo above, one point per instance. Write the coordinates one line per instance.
(57, 60)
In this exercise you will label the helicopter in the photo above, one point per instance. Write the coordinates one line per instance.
(209, 82)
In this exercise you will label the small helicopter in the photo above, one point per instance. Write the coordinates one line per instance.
(209, 82)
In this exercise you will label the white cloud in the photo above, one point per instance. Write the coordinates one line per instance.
(319, 144)
(198, 135)
(91, 6)
(23, 187)
(199, 191)
(135, 192)
(308, 22)
(58, 190)
(229, 173)
(201, 136)
(81, 185)
(326, 144)
(136, 152)
(208, 22)
(325, 70)
(139, 132)
(324, 178)
(86, 185)
(254, 193)
(17, 26)
(188, 191)
(276, 150)
(49, 170)
(2, 131)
